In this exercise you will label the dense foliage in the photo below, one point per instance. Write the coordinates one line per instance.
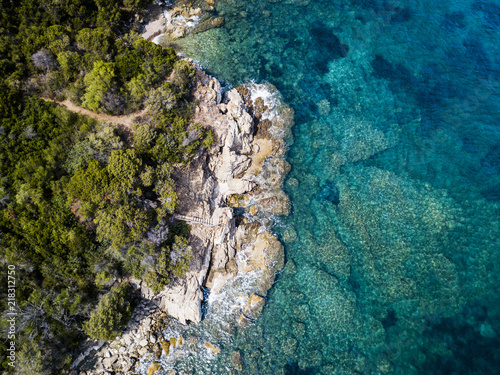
(82, 205)
(111, 315)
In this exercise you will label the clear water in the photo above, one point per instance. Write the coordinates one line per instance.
(393, 245)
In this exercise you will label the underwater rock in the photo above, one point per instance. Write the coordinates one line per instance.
(154, 367)
(299, 329)
(254, 306)
(330, 193)
(166, 346)
(454, 20)
(289, 346)
(237, 361)
(327, 46)
(212, 348)
(290, 235)
(176, 342)
(487, 330)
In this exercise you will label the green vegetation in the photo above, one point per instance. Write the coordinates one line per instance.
(111, 314)
(82, 206)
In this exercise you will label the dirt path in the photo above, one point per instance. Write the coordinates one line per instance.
(126, 120)
(123, 123)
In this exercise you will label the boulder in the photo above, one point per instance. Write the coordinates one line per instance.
(183, 301)
(176, 342)
(244, 322)
(157, 351)
(108, 362)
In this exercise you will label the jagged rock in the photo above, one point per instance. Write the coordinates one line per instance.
(154, 367)
(261, 251)
(212, 348)
(236, 186)
(248, 173)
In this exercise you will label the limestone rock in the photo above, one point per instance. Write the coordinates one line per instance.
(183, 301)
(240, 170)
(108, 362)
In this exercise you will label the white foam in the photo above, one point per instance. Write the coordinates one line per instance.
(187, 22)
(271, 100)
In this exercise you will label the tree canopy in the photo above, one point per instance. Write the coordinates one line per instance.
(82, 205)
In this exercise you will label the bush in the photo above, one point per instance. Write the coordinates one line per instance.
(184, 76)
(111, 315)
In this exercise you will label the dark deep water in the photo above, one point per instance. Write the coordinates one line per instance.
(393, 244)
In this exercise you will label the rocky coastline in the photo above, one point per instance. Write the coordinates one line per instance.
(229, 196)
(176, 20)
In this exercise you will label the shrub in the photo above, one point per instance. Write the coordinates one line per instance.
(111, 315)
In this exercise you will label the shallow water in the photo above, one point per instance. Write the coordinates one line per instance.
(393, 244)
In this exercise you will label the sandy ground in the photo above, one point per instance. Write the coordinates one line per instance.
(157, 24)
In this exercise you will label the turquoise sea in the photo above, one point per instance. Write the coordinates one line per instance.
(393, 243)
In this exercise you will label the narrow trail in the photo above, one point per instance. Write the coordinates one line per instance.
(126, 120)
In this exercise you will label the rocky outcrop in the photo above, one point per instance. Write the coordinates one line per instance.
(245, 169)
(182, 19)
(237, 172)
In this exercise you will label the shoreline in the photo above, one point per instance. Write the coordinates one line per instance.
(245, 170)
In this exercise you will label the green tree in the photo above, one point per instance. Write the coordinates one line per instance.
(111, 315)
(96, 40)
(124, 166)
(69, 63)
(99, 81)
(144, 135)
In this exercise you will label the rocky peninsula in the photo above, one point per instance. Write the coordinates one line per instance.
(229, 196)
